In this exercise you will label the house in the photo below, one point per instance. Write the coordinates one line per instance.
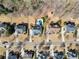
(72, 54)
(36, 30)
(70, 31)
(4, 27)
(58, 55)
(42, 55)
(54, 27)
(70, 27)
(53, 31)
(21, 28)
